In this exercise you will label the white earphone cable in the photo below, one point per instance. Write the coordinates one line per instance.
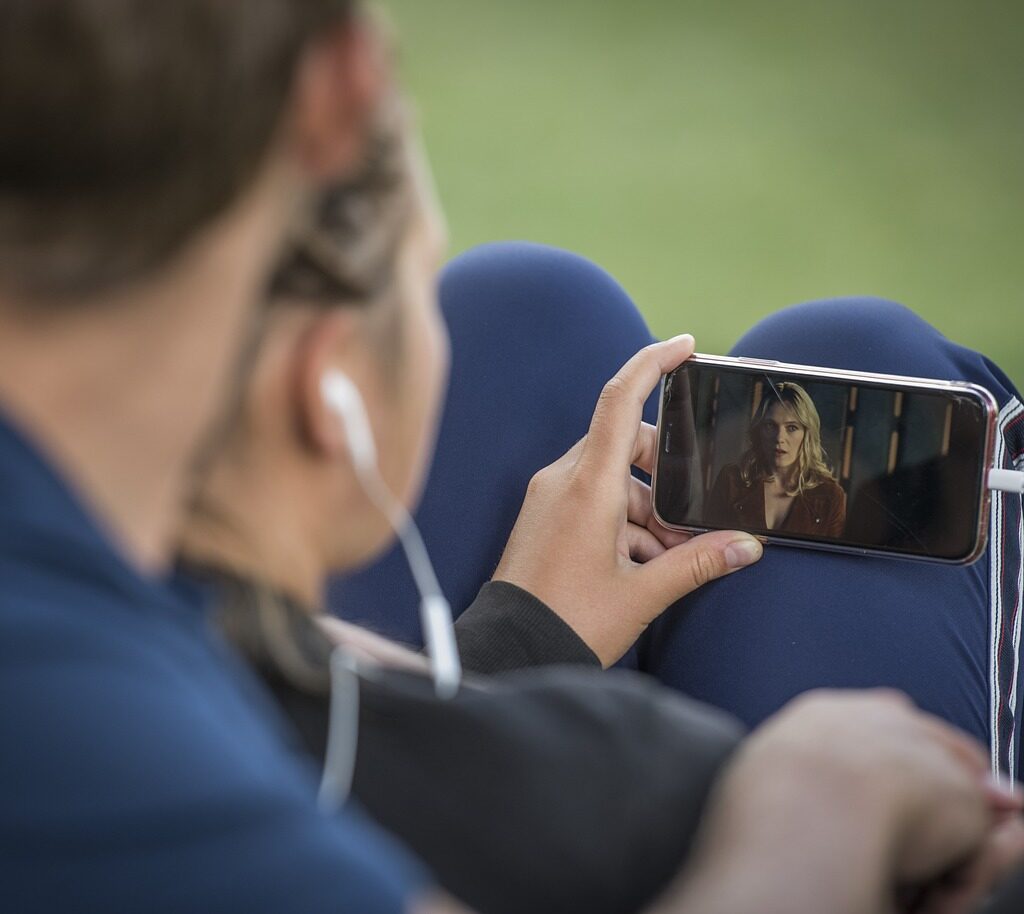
(343, 397)
(435, 612)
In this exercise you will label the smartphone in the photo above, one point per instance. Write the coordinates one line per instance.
(844, 461)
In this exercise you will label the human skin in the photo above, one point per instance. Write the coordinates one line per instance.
(121, 389)
(782, 435)
(831, 806)
(284, 503)
(881, 805)
(884, 808)
(301, 497)
(610, 594)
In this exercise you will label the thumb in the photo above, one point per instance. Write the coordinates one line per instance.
(684, 568)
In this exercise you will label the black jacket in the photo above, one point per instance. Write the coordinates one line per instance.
(1010, 897)
(538, 790)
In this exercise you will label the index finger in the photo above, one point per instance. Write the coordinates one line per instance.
(613, 430)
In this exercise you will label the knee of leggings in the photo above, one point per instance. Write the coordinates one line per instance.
(537, 289)
(859, 333)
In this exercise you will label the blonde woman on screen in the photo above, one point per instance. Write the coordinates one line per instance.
(782, 482)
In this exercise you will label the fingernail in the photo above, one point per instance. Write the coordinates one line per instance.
(742, 553)
(683, 338)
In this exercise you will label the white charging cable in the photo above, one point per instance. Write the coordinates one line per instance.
(1006, 481)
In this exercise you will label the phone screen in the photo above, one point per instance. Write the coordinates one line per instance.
(860, 465)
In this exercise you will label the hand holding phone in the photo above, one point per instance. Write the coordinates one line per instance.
(586, 542)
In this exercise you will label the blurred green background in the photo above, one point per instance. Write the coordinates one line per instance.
(724, 159)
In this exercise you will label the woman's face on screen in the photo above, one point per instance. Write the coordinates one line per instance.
(782, 435)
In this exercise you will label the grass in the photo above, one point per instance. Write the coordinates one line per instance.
(724, 159)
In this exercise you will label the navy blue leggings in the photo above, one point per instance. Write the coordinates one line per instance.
(535, 334)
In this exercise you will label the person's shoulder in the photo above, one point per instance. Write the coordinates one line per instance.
(117, 684)
(144, 732)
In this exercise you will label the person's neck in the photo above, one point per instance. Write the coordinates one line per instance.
(120, 393)
(98, 402)
(270, 551)
(786, 478)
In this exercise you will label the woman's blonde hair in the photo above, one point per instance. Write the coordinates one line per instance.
(812, 465)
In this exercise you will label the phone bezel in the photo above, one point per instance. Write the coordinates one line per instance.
(959, 388)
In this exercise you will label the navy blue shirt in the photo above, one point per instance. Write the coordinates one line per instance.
(141, 768)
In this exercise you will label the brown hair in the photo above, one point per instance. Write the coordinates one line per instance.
(129, 124)
(343, 252)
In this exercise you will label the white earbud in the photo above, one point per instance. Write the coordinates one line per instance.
(342, 397)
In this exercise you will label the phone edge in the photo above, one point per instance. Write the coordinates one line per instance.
(984, 512)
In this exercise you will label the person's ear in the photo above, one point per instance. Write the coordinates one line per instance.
(339, 81)
(329, 343)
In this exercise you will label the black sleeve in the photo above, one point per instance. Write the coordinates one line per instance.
(562, 789)
(1010, 897)
(506, 628)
